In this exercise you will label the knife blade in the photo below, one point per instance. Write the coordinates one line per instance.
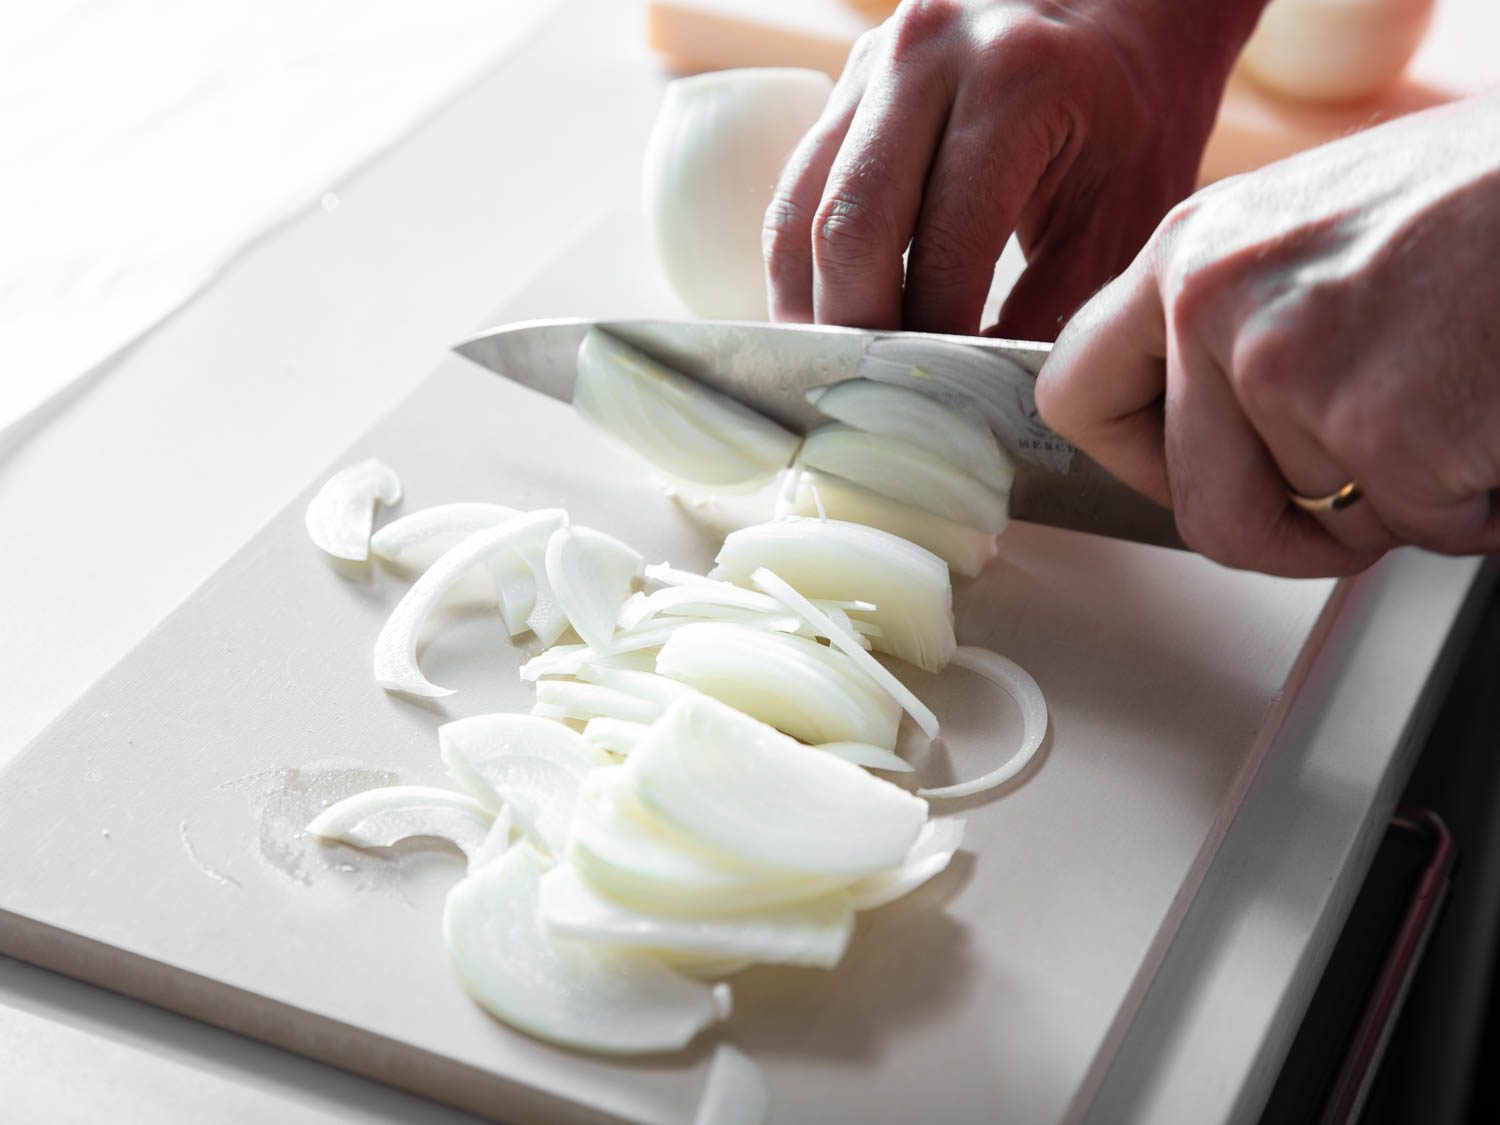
(771, 367)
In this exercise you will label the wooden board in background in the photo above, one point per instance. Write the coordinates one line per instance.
(153, 831)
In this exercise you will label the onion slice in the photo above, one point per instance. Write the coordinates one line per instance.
(929, 856)
(735, 1093)
(342, 512)
(753, 793)
(591, 574)
(908, 473)
(575, 993)
(618, 736)
(379, 818)
(813, 933)
(824, 626)
(863, 754)
(396, 648)
(1019, 685)
(958, 437)
(406, 539)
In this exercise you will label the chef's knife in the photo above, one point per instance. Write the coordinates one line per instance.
(770, 367)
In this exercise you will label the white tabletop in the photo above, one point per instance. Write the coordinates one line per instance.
(143, 483)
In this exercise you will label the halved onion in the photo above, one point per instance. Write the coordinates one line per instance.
(691, 433)
(576, 993)
(808, 690)
(379, 818)
(753, 793)
(591, 574)
(813, 933)
(1019, 685)
(833, 559)
(396, 648)
(929, 856)
(958, 437)
(965, 549)
(907, 473)
(628, 853)
(340, 515)
(419, 538)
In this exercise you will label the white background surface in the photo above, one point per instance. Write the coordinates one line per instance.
(135, 491)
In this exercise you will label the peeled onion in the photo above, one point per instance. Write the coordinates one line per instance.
(712, 162)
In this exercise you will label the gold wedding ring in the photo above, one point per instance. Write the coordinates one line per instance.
(1333, 502)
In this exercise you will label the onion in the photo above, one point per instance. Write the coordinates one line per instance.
(569, 660)
(863, 754)
(1018, 683)
(813, 933)
(809, 691)
(705, 599)
(618, 736)
(755, 794)
(711, 165)
(396, 647)
(866, 663)
(529, 765)
(626, 852)
(591, 574)
(379, 818)
(965, 549)
(929, 856)
(692, 434)
(417, 539)
(955, 436)
(664, 574)
(907, 473)
(339, 517)
(576, 993)
(568, 699)
(831, 559)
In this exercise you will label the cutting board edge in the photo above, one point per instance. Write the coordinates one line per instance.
(310, 1034)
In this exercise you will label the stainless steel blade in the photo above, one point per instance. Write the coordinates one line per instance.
(771, 367)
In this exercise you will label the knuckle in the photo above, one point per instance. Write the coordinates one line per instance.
(785, 228)
(918, 22)
(847, 233)
(1264, 369)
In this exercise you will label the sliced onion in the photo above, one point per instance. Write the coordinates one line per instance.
(813, 933)
(929, 856)
(907, 473)
(751, 792)
(701, 968)
(396, 648)
(545, 618)
(835, 559)
(965, 549)
(1018, 683)
(379, 818)
(418, 538)
(664, 574)
(825, 627)
(568, 699)
(958, 437)
(591, 574)
(530, 765)
(515, 589)
(863, 754)
(497, 841)
(735, 1093)
(575, 993)
(809, 691)
(626, 852)
(705, 599)
(569, 660)
(654, 688)
(618, 736)
(341, 514)
(691, 433)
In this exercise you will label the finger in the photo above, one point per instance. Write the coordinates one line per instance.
(1227, 491)
(864, 222)
(786, 232)
(1310, 470)
(960, 231)
(1102, 385)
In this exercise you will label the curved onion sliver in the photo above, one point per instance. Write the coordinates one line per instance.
(340, 515)
(1018, 683)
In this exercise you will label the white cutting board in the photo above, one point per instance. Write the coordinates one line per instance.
(153, 841)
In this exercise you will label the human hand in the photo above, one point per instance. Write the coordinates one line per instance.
(1074, 124)
(1333, 317)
